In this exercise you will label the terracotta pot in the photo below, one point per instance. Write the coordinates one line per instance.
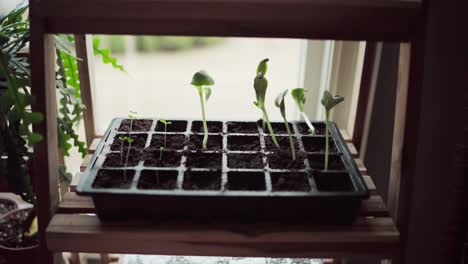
(18, 255)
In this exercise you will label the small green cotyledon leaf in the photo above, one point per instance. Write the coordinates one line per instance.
(202, 78)
(262, 68)
(329, 101)
(279, 102)
(299, 97)
(207, 93)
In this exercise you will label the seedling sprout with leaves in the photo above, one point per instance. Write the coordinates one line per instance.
(299, 98)
(279, 102)
(260, 86)
(132, 116)
(165, 122)
(203, 82)
(328, 101)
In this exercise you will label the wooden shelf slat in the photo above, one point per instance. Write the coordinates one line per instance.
(321, 19)
(85, 233)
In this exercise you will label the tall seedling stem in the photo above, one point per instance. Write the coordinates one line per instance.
(203, 82)
(279, 102)
(129, 140)
(260, 86)
(165, 122)
(328, 101)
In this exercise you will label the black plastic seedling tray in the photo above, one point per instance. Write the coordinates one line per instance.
(241, 176)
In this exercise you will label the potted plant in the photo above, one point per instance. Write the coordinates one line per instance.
(245, 171)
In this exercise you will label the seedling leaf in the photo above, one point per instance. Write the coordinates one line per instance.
(329, 101)
(299, 97)
(201, 78)
(279, 102)
(207, 93)
(262, 68)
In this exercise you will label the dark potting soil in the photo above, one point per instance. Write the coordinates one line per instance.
(175, 126)
(12, 229)
(113, 179)
(304, 129)
(176, 142)
(243, 143)
(317, 161)
(317, 144)
(290, 181)
(202, 180)
(204, 160)
(6, 206)
(333, 181)
(246, 181)
(278, 128)
(282, 159)
(246, 161)
(137, 125)
(158, 179)
(283, 141)
(155, 158)
(117, 160)
(242, 127)
(213, 127)
(139, 141)
(215, 142)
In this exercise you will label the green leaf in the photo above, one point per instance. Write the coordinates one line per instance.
(33, 138)
(260, 86)
(299, 97)
(279, 102)
(207, 93)
(262, 68)
(329, 101)
(33, 117)
(202, 78)
(105, 55)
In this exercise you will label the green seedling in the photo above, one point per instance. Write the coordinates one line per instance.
(129, 140)
(279, 102)
(328, 101)
(161, 149)
(260, 86)
(203, 82)
(122, 140)
(131, 116)
(165, 122)
(299, 98)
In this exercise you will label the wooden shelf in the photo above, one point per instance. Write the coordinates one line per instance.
(321, 19)
(75, 227)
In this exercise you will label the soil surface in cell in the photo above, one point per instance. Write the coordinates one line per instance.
(290, 181)
(202, 180)
(243, 143)
(282, 159)
(317, 144)
(317, 161)
(204, 160)
(120, 179)
(175, 126)
(245, 161)
(6, 206)
(246, 181)
(138, 125)
(213, 127)
(176, 142)
(283, 141)
(139, 141)
(333, 182)
(12, 228)
(278, 128)
(156, 158)
(118, 159)
(158, 180)
(243, 127)
(215, 142)
(304, 129)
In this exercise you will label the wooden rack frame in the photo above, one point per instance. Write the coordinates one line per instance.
(373, 20)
